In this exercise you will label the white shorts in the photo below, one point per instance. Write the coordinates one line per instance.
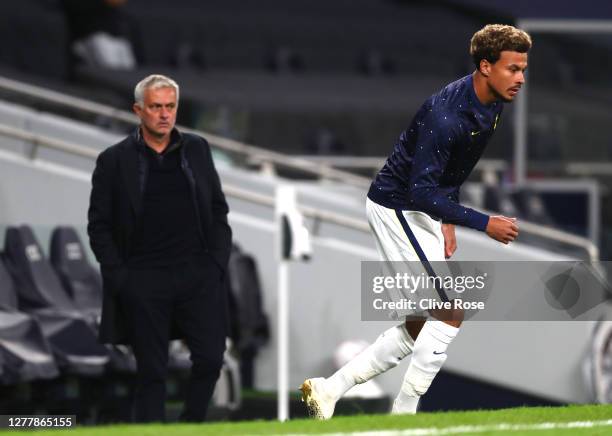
(405, 235)
(394, 242)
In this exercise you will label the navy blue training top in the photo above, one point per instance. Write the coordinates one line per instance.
(436, 154)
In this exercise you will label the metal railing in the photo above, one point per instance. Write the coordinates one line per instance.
(374, 163)
(250, 153)
(314, 213)
(40, 140)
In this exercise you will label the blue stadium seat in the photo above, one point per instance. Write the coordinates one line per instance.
(25, 354)
(40, 294)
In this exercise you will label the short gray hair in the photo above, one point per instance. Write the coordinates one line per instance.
(154, 81)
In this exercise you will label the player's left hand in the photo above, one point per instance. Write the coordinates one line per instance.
(450, 243)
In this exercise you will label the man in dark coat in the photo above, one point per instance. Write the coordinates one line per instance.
(158, 226)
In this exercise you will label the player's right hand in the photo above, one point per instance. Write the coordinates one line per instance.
(502, 229)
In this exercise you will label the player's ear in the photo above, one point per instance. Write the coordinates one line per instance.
(485, 67)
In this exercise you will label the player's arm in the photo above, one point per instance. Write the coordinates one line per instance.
(448, 229)
(438, 134)
(450, 241)
(500, 228)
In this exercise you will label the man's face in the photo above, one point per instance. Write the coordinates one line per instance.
(158, 114)
(506, 76)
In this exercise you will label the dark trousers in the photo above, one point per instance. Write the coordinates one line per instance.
(190, 296)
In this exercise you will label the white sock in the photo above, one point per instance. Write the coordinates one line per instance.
(429, 354)
(385, 353)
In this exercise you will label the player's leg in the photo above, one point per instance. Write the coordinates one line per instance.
(429, 355)
(397, 342)
(414, 327)
(386, 352)
(429, 351)
(320, 394)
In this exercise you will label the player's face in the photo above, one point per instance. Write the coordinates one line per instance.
(158, 114)
(507, 75)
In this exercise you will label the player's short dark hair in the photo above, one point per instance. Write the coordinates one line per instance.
(491, 40)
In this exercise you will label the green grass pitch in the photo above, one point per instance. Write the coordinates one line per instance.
(568, 420)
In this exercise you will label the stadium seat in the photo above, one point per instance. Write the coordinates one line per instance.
(40, 293)
(78, 276)
(249, 323)
(25, 354)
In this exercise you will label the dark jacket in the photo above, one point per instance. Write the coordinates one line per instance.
(116, 204)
